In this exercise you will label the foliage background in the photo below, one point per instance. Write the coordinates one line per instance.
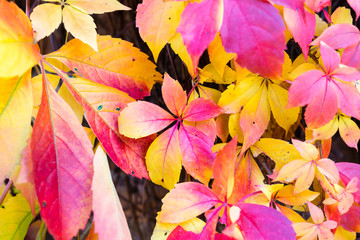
(141, 199)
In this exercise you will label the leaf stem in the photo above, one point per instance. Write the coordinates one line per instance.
(6, 190)
(27, 10)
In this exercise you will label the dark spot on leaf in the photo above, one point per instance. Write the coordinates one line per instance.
(165, 234)
(117, 109)
(133, 59)
(132, 172)
(44, 204)
(100, 107)
(140, 89)
(288, 152)
(34, 31)
(76, 70)
(169, 18)
(162, 180)
(253, 122)
(241, 108)
(2, 206)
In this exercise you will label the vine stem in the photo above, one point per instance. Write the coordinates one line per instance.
(6, 190)
(27, 10)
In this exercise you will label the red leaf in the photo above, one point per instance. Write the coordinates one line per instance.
(201, 109)
(254, 223)
(302, 26)
(181, 234)
(350, 221)
(62, 156)
(225, 163)
(198, 26)
(102, 105)
(197, 157)
(259, 44)
(186, 201)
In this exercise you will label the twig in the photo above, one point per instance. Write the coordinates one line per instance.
(27, 10)
(6, 190)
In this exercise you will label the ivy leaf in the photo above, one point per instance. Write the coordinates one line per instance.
(260, 51)
(15, 116)
(356, 6)
(199, 24)
(117, 64)
(157, 22)
(75, 14)
(17, 51)
(326, 91)
(109, 218)
(62, 156)
(186, 201)
(347, 172)
(15, 218)
(253, 223)
(102, 105)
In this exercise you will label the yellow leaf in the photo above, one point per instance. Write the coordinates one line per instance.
(102, 6)
(342, 234)
(15, 118)
(234, 127)
(163, 159)
(163, 230)
(205, 92)
(17, 51)
(349, 131)
(80, 25)
(45, 19)
(210, 74)
(328, 130)
(278, 99)
(15, 218)
(179, 48)
(286, 195)
(157, 22)
(290, 214)
(218, 56)
(321, 25)
(279, 151)
(341, 15)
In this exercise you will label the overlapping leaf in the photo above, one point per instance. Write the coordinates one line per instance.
(117, 64)
(62, 157)
(17, 50)
(75, 15)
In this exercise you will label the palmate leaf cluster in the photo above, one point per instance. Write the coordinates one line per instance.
(229, 127)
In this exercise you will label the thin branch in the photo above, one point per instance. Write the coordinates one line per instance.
(6, 190)
(27, 10)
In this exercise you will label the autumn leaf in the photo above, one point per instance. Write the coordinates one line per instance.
(117, 64)
(157, 22)
(47, 17)
(62, 157)
(109, 218)
(199, 24)
(17, 50)
(260, 51)
(102, 105)
(305, 169)
(320, 228)
(142, 118)
(15, 117)
(15, 218)
(347, 172)
(325, 91)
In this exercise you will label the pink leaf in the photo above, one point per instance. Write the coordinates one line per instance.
(339, 36)
(102, 105)
(259, 45)
(198, 26)
(351, 56)
(180, 233)
(355, 4)
(348, 74)
(197, 157)
(347, 172)
(109, 218)
(350, 221)
(141, 119)
(293, 4)
(330, 57)
(186, 201)
(254, 223)
(201, 109)
(317, 5)
(302, 26)
(62, 156)
(349, 99)
(174, 96)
